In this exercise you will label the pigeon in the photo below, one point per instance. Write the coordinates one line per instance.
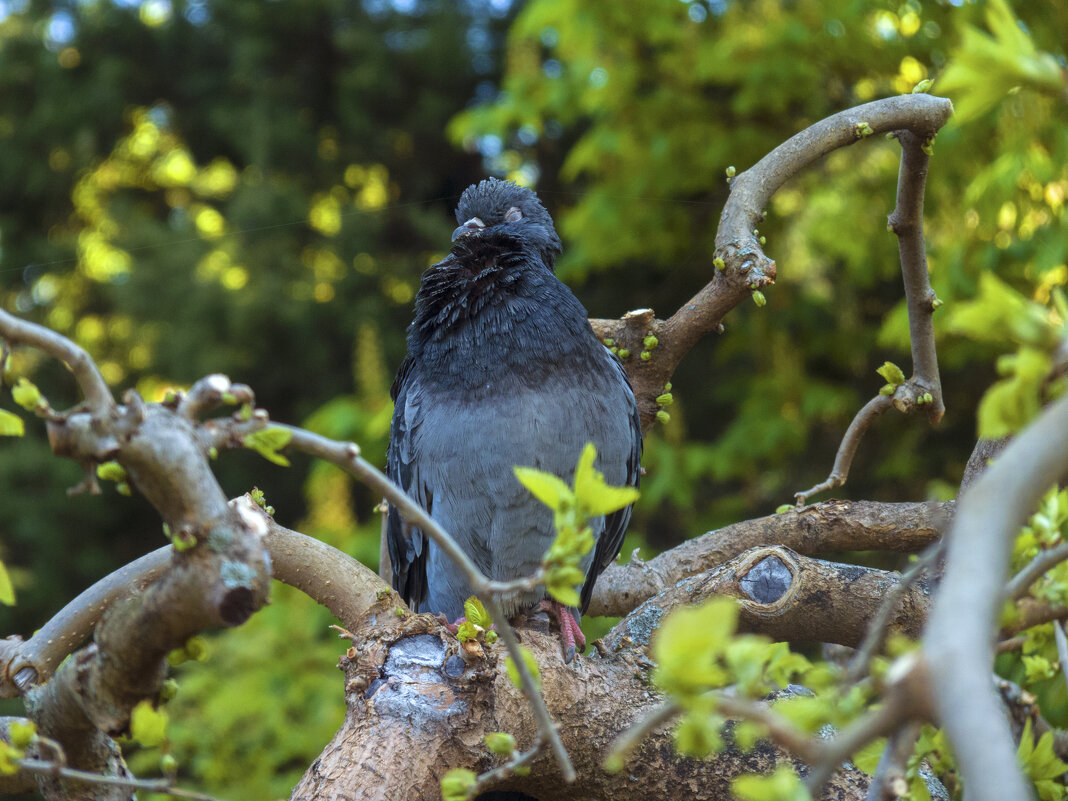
(503, 369)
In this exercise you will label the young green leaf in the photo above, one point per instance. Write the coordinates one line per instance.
(892, 374)
(458, 784)
(26, 395)
(9, 758)
(7, 589)
(476, 613)
(11, 425)
(268, 441)
(111, 471)
(500, 743)
(467, 631)
(593, 496)
(148, 725)
(688, 646)
(547, 488)
(697, 734)
(782, 785)
(867, 758)
(21, 733)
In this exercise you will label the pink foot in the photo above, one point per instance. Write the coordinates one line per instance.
(570, 633)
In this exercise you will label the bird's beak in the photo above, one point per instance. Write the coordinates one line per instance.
(470, 227)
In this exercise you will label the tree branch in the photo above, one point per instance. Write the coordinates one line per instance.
(94, 388)
(824, 527)
(787, 597)
(745, 266)
(958, 642)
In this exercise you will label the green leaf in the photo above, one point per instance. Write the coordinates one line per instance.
(268, 441)
(500, 743)
(1040, 762)
(747, 733)
(9, 758)
(7, 589)
(867, 758)
(782, 785)
(466, 631)
(547, 488)
(564, 593)
(532, 666)
(1013, 402)
(892, 374)
(458, 784)
(26, 395)
(688, 645)
(111, 471)
(21, 733)
(1038, 668)
(11, 425)
(148, 725)
(593, 496)
(697, 734)
(476, 613)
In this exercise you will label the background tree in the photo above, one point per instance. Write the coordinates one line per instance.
(255, 196)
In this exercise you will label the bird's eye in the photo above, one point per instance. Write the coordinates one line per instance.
(513, 215)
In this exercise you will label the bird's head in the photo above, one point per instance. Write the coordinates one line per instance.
(496, 210)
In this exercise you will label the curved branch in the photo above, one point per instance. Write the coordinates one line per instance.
(92, 384)
(958, 642)
(745, 266)
(843, 460)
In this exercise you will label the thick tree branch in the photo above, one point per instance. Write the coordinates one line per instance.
(958, 642)
(787, 597)
(823, 527)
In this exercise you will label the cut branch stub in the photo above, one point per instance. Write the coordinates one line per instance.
(788, 597)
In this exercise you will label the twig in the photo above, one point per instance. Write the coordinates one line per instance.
(631, 737)
(843, 460)
(858, 665)
(151, 785)
(92, 384)
(888, 783)
(501, 772)
(780, 731)
(1062, 648)
(212, 392)
(879, 722)
(958, 643)
(1045, 560)
(906, 221)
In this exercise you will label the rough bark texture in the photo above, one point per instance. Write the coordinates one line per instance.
(417, 708)
(820, 528)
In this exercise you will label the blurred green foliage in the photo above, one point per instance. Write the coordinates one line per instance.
(253, 188)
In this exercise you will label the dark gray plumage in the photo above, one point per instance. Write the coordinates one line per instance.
(503, 369)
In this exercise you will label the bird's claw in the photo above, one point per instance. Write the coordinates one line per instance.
(570, 633)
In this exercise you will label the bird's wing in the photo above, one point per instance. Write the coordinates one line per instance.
(615, 524)
(407, 544)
